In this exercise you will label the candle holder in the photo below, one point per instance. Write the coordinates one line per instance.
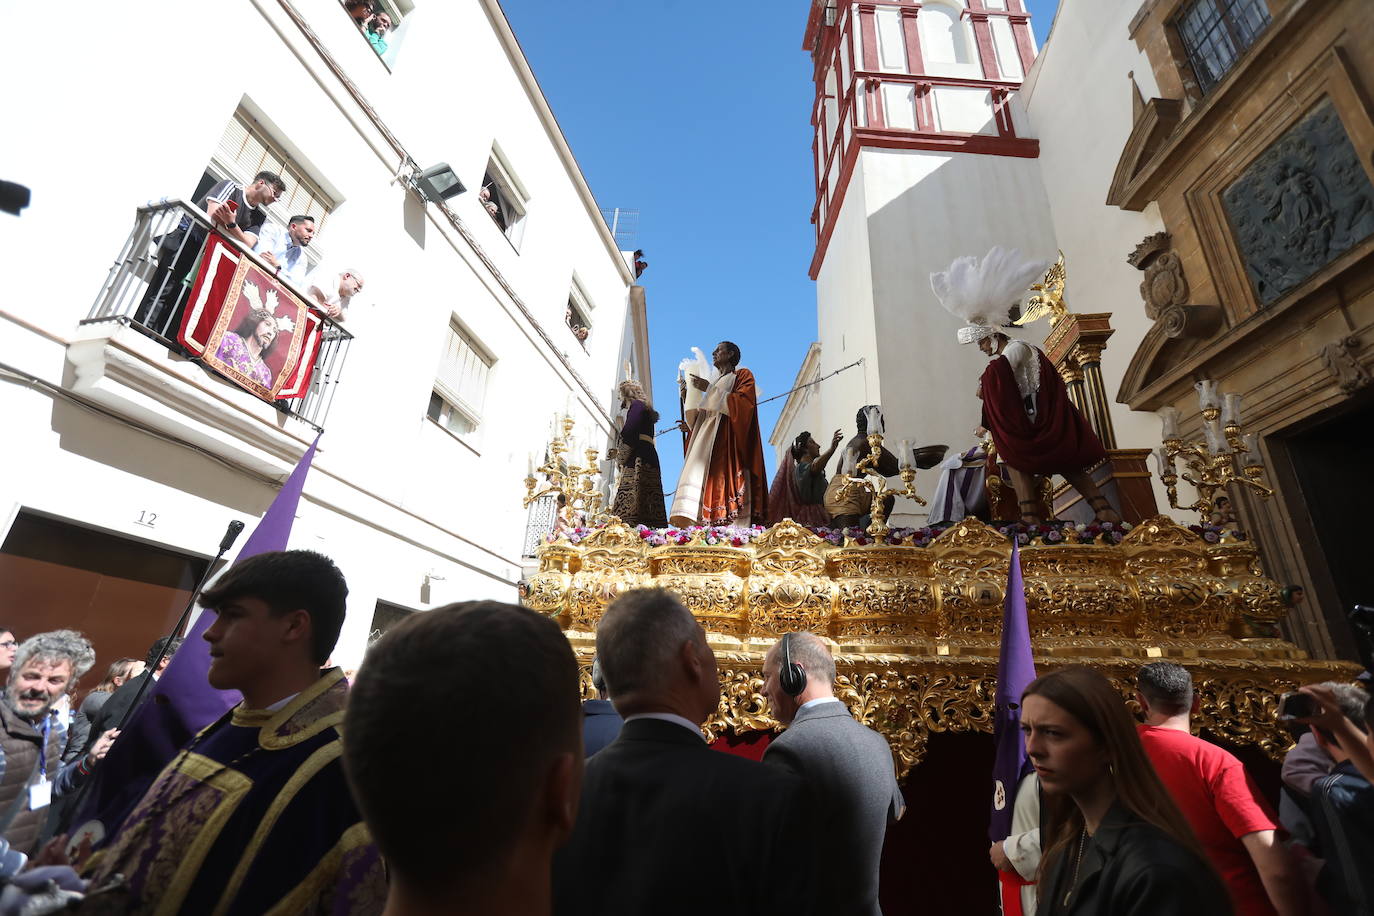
(1225, 456)
(860, 480)
(576, 483)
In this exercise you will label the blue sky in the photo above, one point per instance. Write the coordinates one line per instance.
(697, 116)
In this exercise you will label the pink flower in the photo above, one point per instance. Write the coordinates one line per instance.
(737, 542)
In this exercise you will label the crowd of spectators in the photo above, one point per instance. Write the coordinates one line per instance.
(1145, 816)
(618, 805)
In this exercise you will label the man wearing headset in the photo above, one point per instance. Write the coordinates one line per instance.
(847, 765)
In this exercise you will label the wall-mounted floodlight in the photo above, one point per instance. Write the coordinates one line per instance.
(438, 183)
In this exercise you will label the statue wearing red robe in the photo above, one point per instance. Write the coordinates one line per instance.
(1056, 440)
(726, 486)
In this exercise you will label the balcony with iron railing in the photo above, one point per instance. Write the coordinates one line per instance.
(129, 354)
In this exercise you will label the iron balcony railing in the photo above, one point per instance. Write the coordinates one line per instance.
(151, 278)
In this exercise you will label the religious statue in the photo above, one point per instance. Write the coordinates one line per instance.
(799, 486)
(722, 481)
(850, 507)
(639, 492)
(1026, 408)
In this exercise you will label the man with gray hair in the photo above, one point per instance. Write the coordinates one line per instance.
(848, 767)
(31, 768)
(600, 722)
(667, 825)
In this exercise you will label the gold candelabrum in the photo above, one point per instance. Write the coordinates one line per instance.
(576, 483)
(1227, 455)
(866, 476)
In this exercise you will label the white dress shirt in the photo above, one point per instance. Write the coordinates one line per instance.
(291, 260)
(669, 717)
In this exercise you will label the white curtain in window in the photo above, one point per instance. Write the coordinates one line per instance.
(463, 371)
(245, 150)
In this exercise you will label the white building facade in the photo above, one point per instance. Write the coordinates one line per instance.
(125, 460)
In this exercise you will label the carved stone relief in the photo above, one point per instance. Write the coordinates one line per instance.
(1339, 359)
(1164, 284)
(1301, 204)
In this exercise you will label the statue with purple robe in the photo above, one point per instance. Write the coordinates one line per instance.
(639, 492)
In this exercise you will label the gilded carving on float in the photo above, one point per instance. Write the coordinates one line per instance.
(611, 562)
(787, 590)
(916, 630)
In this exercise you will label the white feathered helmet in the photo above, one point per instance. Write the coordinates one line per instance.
(984, 292)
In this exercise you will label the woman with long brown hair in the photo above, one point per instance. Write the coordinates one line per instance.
(1115, 842)
(120, 671)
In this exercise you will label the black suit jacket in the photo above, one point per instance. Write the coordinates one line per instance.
(115, 707)
(600, 725)
(666, 826)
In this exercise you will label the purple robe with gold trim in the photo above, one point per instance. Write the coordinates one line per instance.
(253, 817)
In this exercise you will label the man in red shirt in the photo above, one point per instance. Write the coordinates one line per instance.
(1234, 823)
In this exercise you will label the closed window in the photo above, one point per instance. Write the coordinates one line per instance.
(1215, 33)
(460, 385)
(944, 35)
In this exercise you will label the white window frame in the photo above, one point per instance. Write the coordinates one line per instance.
(513, 197)
(582, 305)
(454, 404)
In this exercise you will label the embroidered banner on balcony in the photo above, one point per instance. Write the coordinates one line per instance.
(248, 327)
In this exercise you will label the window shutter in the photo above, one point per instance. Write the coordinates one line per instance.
(463, 371)
(245, 149)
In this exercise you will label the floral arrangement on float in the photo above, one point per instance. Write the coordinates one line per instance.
(1050, 533)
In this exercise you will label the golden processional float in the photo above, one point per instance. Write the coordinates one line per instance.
(914, 616)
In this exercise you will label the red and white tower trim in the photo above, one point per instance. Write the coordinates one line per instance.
(912, 74)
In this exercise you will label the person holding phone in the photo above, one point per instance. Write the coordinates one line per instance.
(1342, 801)
(237, 211)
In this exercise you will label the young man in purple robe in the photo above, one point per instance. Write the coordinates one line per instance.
(254, 814)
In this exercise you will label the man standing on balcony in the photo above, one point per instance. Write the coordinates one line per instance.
(235, 211)
(285, 248)
(333, 290)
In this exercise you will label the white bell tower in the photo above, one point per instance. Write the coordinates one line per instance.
(921, 154)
